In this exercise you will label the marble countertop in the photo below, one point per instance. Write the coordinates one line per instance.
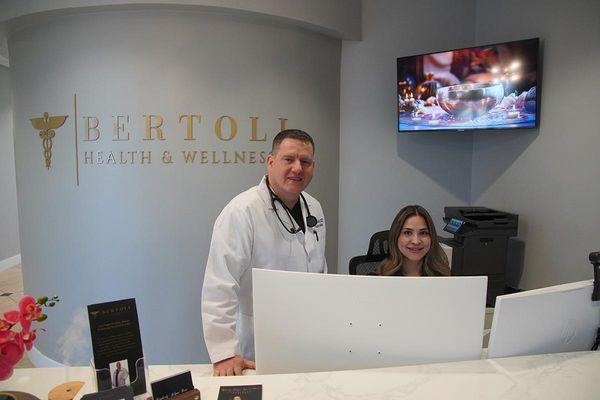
(550, 376)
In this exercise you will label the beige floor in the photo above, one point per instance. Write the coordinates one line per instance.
(11, 291)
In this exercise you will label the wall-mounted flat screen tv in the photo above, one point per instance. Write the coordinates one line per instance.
(485, 87)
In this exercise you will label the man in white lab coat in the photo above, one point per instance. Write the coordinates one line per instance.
(274, 225)
(119, 377)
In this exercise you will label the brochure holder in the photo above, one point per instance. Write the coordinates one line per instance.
(103, 379)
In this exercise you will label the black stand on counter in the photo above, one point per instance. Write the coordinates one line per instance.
(595, 260)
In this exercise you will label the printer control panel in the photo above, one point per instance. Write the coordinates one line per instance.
(454, 226)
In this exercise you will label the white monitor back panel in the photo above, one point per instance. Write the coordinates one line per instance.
(549, 320)
(315, 322)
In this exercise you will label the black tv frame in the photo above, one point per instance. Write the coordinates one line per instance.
(538, 71)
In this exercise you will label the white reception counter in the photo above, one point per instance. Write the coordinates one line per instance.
(550, 376)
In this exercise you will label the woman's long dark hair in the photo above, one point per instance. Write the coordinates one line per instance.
(435, 262)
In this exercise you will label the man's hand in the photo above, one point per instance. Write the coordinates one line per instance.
(232, 366)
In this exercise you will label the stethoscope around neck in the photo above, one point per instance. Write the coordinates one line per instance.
(311, 220)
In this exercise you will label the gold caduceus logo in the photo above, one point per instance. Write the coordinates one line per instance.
(46, 126)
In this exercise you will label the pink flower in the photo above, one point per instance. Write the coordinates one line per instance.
(30, 311)
(6, 370)
(12, 349)
(6, 336)
(28, 338)
(12, 317)
(13, 344)
(4, 325)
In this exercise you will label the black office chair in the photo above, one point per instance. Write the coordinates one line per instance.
(378, 245)
(365, 265)
(378, 250)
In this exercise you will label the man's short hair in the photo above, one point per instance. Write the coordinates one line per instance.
(295, 134)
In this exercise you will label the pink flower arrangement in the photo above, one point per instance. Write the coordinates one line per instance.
(13, 343)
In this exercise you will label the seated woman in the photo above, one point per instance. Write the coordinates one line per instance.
(414, 246)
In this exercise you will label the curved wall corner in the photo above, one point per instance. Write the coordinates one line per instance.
(9, 224)
(169, 114)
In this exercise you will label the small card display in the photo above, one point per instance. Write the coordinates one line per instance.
(171, 386)
(117, 345)
(246, 392)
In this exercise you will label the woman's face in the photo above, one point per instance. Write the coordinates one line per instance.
(414, 240)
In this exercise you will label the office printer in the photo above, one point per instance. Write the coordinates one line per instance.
(480, 244)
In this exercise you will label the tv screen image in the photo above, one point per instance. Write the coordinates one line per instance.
(485, 87)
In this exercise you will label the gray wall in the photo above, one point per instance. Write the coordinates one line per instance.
(336, 18)
(9, 228)
(549, 176)
(381, 170)
(143, 231)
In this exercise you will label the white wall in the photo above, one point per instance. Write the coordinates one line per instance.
(143, 231)
(549, 176)
(9, 227)
(380, 169)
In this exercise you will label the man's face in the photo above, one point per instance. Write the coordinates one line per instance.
(290, 169)
(118, 365)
